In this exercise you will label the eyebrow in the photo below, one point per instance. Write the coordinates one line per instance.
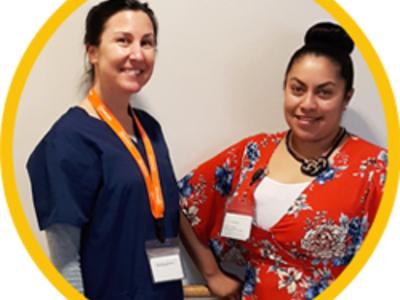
(320, 85)
(149, 34)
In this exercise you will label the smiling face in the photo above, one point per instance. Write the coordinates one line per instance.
(124, 60)
(315, 99)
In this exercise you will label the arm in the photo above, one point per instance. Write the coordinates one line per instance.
(220, 284)
(64, 245)
(204, 192)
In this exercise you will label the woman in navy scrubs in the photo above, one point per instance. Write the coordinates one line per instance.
(90, 194)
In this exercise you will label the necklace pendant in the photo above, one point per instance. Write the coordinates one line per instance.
(314, 167)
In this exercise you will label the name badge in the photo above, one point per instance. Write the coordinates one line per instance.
(164, 259)
(237, 226)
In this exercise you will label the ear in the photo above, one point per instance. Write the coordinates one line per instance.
(347, 98)
(92, 53)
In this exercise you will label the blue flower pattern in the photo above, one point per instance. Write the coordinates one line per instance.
(326, 175)
(357, 228)
(185, 189)
(253, 154)
(223, 180)
(216, 247)
(316, 288)
(250, 280)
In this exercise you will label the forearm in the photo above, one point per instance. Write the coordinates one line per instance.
(218, 282)
(201, 254)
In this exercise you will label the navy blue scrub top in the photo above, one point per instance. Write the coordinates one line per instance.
(82, 174)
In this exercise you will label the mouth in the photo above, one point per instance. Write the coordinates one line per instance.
(134, 72)
(307, 119)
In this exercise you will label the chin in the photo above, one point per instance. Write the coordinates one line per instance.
(135, 86)
(132, 88)
(304, 135)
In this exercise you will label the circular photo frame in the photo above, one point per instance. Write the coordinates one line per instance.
(70, 8)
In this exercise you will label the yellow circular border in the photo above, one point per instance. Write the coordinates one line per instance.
(38, 44)
(392, 125)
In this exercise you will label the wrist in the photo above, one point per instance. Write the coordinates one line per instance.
(210, 275)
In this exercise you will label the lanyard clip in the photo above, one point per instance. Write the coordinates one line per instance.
(257, 175)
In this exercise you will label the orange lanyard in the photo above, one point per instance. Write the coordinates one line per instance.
(151, 179)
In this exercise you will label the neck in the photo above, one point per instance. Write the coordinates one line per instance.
(117, 103)
(314, 149)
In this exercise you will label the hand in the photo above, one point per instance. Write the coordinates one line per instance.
(224, 286)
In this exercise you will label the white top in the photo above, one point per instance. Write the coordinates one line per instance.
(273, 199)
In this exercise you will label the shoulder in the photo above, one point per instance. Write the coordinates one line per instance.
(73, 123)
(72, 135)
(264, 139)
(367, 154)
(364, 148)
(255, 143)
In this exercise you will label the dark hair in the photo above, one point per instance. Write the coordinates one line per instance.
(99, 15)
(330, 40)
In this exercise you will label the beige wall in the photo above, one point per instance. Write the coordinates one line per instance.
(218, 79)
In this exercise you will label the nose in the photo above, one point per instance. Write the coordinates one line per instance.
(308, 102)
(136, 52)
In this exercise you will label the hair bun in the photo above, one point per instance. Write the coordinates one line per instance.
(329, 35)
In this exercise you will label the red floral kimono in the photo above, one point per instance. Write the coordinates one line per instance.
(300, 255)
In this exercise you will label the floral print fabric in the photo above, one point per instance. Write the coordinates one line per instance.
(300, 255)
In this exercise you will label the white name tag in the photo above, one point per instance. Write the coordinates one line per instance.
(164, 260)
(237, 226)
(166, 268)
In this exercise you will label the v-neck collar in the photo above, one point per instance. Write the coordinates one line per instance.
(350, 139)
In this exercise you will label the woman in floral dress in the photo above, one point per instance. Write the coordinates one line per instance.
(314, 189)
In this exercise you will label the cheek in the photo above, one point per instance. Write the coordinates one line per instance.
(150, 59)
(113, 52)
(288, 110)
(334, 112)
(289, 104)
(116, 55)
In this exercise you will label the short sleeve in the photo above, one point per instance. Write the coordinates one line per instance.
(65, 176)
(204, 191)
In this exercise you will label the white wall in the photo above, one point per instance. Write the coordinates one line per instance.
(218, 79)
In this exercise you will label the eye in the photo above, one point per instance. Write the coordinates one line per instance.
(148, 43)
(297, 89)
(124, 41)
(324, 93)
